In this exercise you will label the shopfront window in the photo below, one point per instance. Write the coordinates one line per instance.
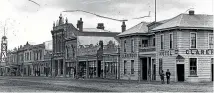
(132, 66)
(193, 66)
(125, 69)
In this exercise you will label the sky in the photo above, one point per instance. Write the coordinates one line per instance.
(25, 21)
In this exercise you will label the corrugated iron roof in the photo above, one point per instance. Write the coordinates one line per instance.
(139, 28)
(188, 21)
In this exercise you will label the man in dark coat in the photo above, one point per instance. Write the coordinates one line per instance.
(168, 76)
(162, 76)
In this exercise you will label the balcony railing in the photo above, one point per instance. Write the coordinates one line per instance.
(147, 49)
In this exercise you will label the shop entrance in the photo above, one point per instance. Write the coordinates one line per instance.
(180, 72)
(212, 71)
(56, 67)
(144, 68)
(153, 70)
(99, 68)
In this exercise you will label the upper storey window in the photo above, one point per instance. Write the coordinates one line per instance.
(171, 41)
(193, 40)
(144, 43)
(210, 40)
(162, 41)
(132, 45)
(154, 41)
(124, 45)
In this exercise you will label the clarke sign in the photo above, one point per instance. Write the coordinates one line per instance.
(200, 52)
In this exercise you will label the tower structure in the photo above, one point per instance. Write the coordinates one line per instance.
(3, 48)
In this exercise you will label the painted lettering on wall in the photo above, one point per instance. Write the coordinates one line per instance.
(168, 52)
(130, 55)
(200, 52)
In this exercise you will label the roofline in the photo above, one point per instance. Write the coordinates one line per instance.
(146, 34)
(180, 27)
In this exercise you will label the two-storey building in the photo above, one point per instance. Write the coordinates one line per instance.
(185, 47)
(138, 53)
(30, 60)
(71, 46)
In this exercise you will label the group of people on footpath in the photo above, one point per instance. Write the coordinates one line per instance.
(167, 76)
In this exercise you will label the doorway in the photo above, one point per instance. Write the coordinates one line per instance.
(180, 72)
(56, 67)
(212, 71)
(144, 68)
(99, 68)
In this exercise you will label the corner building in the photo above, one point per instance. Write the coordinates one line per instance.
(137, 53)
(185, 47)
(183, 44)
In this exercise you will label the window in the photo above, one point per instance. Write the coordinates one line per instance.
(41, 54)
(193, 40)
(37, 55)
(210, 40)
(212, 61)
(160, 65)
(132, 66)
(125, 70)
(193, 66)
(162, 41)
(34, 56)
(144, 43)
(67, 51)
(125, 46)
(132, 45)
(154, 41)
(171, 41)
(30, 55)
(27, 56)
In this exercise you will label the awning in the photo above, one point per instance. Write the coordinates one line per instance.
(179, 57)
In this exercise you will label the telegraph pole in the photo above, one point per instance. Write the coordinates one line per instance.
(155, 10)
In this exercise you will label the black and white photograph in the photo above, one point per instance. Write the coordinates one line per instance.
(106, 46)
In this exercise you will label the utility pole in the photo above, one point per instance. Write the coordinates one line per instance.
(155, 10)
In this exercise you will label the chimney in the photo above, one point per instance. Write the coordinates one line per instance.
(80, 24)
(123, 27)
(191, 12)
(100, 26)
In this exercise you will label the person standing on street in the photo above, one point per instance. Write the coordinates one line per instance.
(162, 77)
(168, 76)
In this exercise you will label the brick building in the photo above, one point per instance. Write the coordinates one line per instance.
(71, 46)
